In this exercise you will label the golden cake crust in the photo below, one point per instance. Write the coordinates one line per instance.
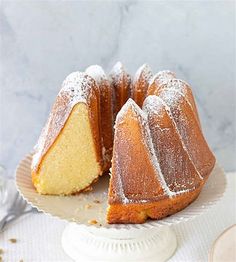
(141, 83)
(121, 85)
(106, 111)
(137, 213)
(78, 88)
(165, 80)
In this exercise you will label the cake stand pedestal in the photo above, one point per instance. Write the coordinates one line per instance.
(83, 243)
(152, 241)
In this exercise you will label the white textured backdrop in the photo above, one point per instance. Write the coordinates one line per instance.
(43, 41)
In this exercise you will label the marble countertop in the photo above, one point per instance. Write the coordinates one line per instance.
(43, 41)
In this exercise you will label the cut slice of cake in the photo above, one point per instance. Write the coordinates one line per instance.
(155, 171)
(68, 157)
(135, 179)
(178, 170)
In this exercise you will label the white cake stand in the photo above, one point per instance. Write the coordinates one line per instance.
(151, 241)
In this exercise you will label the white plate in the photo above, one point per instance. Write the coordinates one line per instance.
(223, 248)
(82, 208)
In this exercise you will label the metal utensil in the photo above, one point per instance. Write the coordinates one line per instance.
(14, 203)
(16, 209)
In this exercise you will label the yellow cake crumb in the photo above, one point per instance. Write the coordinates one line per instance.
(73, 152)
(88, 206)
(93, 222)
(13, 240)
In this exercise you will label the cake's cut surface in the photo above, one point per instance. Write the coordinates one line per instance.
(70, 165)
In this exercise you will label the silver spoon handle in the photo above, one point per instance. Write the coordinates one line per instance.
(4, 220)
(8, 218)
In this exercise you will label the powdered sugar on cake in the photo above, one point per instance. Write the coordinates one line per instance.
(169, 148)
(162, 77)
(78, 86)
(172, 99)
(144, 72)
(117, 70)
(97, 73)
(142, 116)
(118, 73)
(146, 140)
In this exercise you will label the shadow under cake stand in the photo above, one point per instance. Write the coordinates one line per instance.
(84, 241)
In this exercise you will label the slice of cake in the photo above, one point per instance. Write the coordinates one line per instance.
(157, 168)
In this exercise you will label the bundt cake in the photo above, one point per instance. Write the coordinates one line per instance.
(160, 159)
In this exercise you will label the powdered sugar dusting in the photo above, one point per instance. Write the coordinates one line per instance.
(117, 70)
(187, 125)
(144, 71)
(151, 103)
(118, 73)
(106, 110)
(97, 73)
(124, 109)
(77, 86)
(172, 99)
(121, 86)
(185, 91)
(141, 83)
(174, 161)
(162, 77)
(142, 117)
